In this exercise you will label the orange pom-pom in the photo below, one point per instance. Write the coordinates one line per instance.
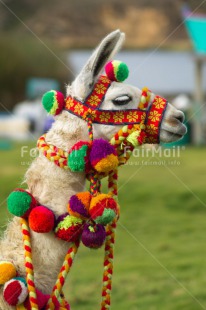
(79, 205)
(7, 271)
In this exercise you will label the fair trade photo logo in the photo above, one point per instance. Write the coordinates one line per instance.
(146, 155)
(156, 155)
(28, 155)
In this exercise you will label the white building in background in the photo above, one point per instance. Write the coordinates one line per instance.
(164, 72)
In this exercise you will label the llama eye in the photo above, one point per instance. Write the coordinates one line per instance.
(121, 100)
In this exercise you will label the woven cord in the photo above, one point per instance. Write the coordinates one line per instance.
(53, 153)
(108, 267)
(55, 298)
(95, 184)
(29, 265)
(119, 141)
(112, 182)
(90, 127)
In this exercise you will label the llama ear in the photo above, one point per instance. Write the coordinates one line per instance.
(105, 51)
(108, 47)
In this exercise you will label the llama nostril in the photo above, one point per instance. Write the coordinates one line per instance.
(180, 117)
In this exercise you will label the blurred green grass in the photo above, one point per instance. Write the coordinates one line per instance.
(160, 252)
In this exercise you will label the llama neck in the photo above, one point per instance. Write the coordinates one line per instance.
(51, 185)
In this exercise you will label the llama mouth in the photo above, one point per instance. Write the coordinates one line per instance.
(180, 132)
(174, 136)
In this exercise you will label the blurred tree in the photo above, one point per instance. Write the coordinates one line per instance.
(23, 57)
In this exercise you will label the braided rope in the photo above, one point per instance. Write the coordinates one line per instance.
(108, 267)
(88, 118)
(95, 184)
(123, 147)
(112, 182)
(29, 265)
(53, 153)
(55, 297)
(145, 98)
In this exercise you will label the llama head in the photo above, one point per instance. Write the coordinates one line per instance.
(119, 96)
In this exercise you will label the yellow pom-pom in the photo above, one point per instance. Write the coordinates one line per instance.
(107, 164)
(103, 156)
(7, 271)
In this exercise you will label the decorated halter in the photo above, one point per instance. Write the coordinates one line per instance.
(92, 215)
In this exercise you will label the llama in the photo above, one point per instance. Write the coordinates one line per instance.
(52, 186)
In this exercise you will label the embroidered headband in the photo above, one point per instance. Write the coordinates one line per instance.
(54, 102)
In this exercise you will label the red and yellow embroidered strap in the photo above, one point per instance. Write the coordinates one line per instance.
(96, 97)
(154, 119)
(92, 105)
(106, 117)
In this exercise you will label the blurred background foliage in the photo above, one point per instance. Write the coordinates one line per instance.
(23, 57)
(77, 24)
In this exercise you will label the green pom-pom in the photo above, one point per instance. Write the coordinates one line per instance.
(53, 102)
(117, 70)
(20, 203)
(78, 156)
(122, 72)
(107, 217)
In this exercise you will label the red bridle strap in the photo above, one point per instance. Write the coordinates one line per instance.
(92, 105)
(106, 117)
(154, 119)
(151, 117)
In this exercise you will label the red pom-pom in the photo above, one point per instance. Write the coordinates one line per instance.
(41, 220)
(15, 291)
(68, 228)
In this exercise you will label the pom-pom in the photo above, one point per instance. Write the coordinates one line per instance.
(93, 236)
(42, 300)
(7, 271)
(103, 156)
(53, 102)
(68, 228)
(15, 291)
(20, 203)
(41, 219)
(117, 71)
(103, 209)
(78, 156)
(79, 205)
